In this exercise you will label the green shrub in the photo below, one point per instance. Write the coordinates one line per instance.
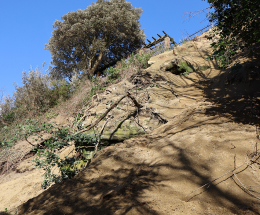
(60, 91)
(69, 166)
(12, 133)
(112, 74)
(33, 95)
(9, 117)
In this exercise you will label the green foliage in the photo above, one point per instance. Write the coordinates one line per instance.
(11, 134)
(139, 60)
(85, 39)
(95, 89)
(238, 24)
(60, 91)
(83, 139)
(68, 167)
(8, 117)
(142, 60)
(203, 68)
(112, 74)
(7, 114)
(37, 94)
(33, 95)
(50, 115)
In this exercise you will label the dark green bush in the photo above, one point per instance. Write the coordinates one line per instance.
(60, 91)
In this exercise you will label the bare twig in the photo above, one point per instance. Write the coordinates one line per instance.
(231, 171)
(244, 187)
(84, 116)
(161, 119)
(139, 124)
(109, 109)
(28, 141)
(99, 138)
(195, 13)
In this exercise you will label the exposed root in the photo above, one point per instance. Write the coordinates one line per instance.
(109, 109)
(244, 187)
(245, 165)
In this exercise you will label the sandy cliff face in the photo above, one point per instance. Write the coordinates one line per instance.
(197, 155)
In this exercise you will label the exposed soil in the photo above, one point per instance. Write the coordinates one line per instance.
(202, 160)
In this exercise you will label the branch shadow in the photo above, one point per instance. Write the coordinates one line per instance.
(119, 182)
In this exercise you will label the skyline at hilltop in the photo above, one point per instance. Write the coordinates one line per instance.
(27, 27)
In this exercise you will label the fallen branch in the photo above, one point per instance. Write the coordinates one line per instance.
(119, 125)
(29, 141)
(139, 125)
(161, 119)
(244, 187)
(99, 138)
(231, 171)
(109, 109)
(84, 116)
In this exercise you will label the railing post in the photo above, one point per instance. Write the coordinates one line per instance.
(167, 43)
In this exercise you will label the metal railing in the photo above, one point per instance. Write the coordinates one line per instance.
(107, 64)
(189, 37)
(149, 45)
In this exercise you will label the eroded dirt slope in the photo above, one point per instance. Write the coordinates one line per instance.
(211, 130)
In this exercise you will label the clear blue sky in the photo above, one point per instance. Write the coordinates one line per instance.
(26, 26)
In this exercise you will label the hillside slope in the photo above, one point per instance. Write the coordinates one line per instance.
(205, 135)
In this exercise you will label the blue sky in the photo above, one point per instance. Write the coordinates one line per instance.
(26, 26)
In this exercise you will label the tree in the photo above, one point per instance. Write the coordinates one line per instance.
(238, 24)
(88, 38)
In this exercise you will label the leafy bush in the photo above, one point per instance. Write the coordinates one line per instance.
(75, 81)
(60, 90)
(141, 60)
(68, 167)
(33, 95)
(12, 133)
(37, 94)
(9, 117)
(6, 105)
(112, 74)
(238, 24)
(7, 114)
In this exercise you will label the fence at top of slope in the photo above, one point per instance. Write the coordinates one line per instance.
(165, 38)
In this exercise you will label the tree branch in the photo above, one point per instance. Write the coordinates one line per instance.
(109, 109)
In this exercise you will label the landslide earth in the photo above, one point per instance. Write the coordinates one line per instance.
(193, 146)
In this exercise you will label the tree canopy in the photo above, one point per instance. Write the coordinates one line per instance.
(238, 24)
(84, 40)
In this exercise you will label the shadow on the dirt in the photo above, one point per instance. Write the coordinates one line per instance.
(116, 183)
(236, 92)
(126, 190)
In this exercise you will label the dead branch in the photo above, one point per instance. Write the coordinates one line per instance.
(84, 116)
(28, 141)
(109, 109)
(99, 138)
(244, 187)
(139, 124)
(161, 119)
(231, 171)
(119, 125)
(195, 13)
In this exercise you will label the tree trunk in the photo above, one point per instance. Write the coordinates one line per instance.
(93, 69)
